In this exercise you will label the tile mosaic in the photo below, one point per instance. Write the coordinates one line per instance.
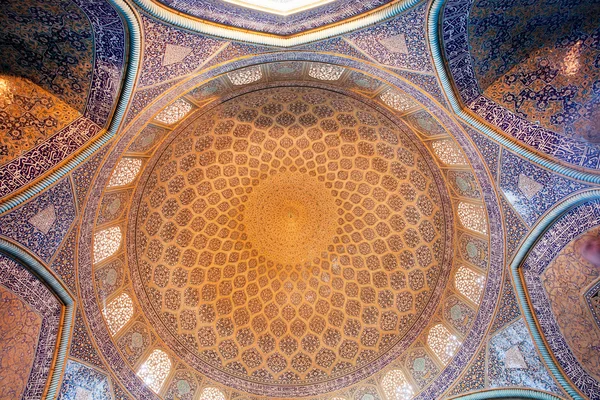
(540, 98)
(166, 54)
(474, 377)
(82, 347)
(516, 229)
(488, 149)
(503, 370)
(29, 115)
(247, 18)
(554, 255)
(336, 45)
(20, 327)
(541, 68)
(61, 63)
(142, 97)
(16, 225)
(384, 43)
(34, 163)
(83, 175)
(508, 307)
(64, 261)
(428, 83)
(24, 296)
(532, 190)
(83, 382)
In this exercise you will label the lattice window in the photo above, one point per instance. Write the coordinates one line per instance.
(211, 393)
(325, 72)
(174, 112)
(472, 216)
(443, 343)
(155, 369)
(396, 100)
(469, 283)
(106, 243)
(245, 76)
(396, 387)
(448, 153)
(118, 312)
(125, 172)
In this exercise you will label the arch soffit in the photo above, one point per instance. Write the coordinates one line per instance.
(41, 272)
(554, 162)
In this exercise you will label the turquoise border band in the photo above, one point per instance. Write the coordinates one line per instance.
(547, 221)
(434, 39)
(25, 259)
(179, 20)
(507, 394)
(127, 89)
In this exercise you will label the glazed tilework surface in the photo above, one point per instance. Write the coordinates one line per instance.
(19, 331)
(242, 17)
(542, 67)
(398, 43)
(15, 279)
(592, 297)
(489, 149)
(82, 347)
(532, 190)
(34, 163)
(567, 228)
(50, 44)
(565, 281)
(142, 97)
(513, 361)
(17, 224)
(474, 377)
(82, 177)
(516, 229)
(83, 382)
(64, 261)
(109, 59)
(28, 116)
(170, 53)
(73, 50)
(455, 31)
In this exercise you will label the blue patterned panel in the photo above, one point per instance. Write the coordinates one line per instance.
(83, 382)
(398, 43)
(41, 224)
(231, 14)
(513, 361)
(532, 190)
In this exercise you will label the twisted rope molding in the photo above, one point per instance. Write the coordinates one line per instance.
(177, 19)
(435, 43)
(546, 222)
(28, 261)
(132, 67)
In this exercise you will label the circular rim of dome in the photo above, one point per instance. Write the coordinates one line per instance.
(465, 137)
(293, 388)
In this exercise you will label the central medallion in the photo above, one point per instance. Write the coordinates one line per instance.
(290, 218)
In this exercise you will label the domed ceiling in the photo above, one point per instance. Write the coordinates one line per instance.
(289, 235)
(289, 239)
